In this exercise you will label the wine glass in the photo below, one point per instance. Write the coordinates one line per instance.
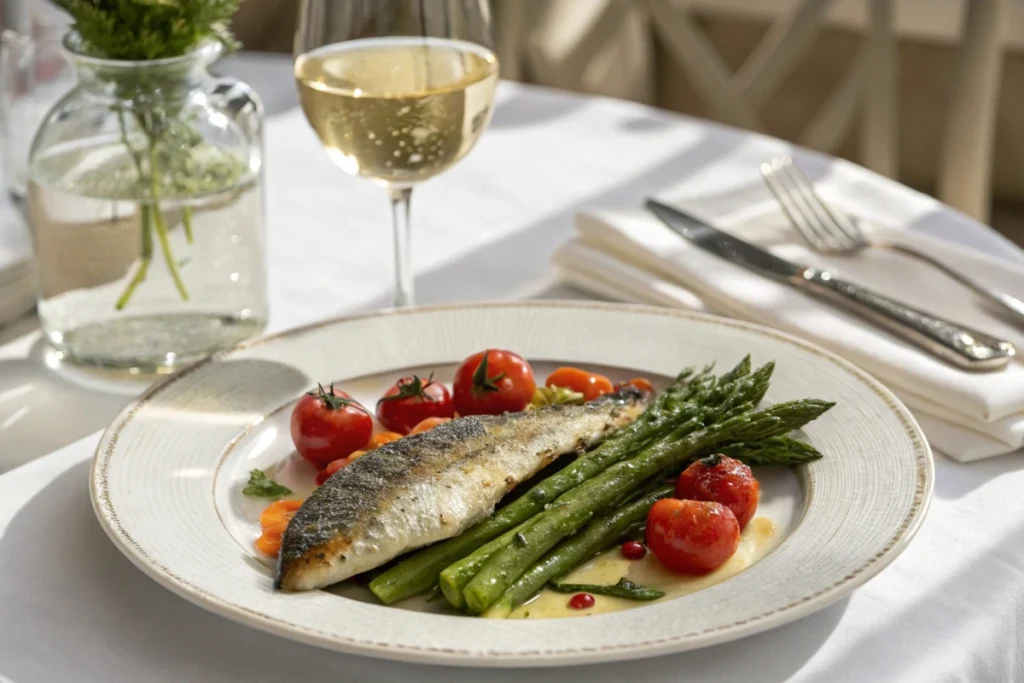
(397, 91)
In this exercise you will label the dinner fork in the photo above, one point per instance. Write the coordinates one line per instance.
(832, 232)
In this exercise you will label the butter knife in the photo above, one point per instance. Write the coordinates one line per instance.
(962, 346)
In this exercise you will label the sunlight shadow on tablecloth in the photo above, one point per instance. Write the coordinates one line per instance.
(35, 391)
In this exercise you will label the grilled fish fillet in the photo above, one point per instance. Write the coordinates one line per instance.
(431, 486)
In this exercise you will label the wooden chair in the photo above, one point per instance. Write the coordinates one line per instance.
(867, 94)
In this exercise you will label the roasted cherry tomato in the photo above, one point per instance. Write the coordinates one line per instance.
(692, 536)
(381, 438)
(638, 383)
(493, 382)
(590, 384)
(327, 424)
(429, 424)
(723, 480)
(411, 401)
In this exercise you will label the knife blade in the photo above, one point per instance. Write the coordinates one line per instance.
(962, 346)
(723, 244)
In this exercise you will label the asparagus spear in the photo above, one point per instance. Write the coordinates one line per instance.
(722, 401)
(573, 509)
(742, 369)
(778, 450)
(572, 552)
(419, 572)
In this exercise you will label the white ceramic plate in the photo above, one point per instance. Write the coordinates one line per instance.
(167, 476)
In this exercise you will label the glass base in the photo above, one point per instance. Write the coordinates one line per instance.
(153, 343)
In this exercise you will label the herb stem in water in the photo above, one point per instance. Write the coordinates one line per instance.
(161, 225)
(146, 213)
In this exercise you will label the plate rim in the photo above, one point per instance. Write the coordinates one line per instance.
(108, 518)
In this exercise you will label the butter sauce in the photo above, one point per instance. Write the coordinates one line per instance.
(757, 540)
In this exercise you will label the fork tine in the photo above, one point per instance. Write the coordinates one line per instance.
(798, 217)
(836, 240)
(837, 222)
(781, 194)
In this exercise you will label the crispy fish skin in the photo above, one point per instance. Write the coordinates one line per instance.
(432, 486)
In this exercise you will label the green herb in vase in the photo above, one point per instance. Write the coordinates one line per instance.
(145, 193)
(163, 149)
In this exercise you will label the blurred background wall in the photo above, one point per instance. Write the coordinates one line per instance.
(926, 91)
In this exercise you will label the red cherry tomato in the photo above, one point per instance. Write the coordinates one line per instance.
(590, 384)
(429, 424)
(633, 550)
(327, 424)
(581, 601)
(493, 382)
(692, 536)
(723, 480)
(412, 400)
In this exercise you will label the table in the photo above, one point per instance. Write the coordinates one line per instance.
(947, 609)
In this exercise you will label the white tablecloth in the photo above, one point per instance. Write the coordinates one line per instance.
(72, 608)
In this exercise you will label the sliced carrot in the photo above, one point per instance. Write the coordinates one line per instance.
(641, 384)
(274, 520)
(429, 424)
(378, 440)
(275, 529)
(278, 511)
(270, 545)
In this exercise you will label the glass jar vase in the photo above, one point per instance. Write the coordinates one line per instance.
(145, 202)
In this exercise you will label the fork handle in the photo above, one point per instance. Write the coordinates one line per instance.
(962, 346)
(1010, 303)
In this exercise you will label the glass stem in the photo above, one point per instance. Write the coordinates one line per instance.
(400, 197)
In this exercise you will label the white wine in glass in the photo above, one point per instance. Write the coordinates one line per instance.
(393, 107)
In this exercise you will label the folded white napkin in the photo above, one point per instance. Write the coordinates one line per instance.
(17, 287)
(629, 255)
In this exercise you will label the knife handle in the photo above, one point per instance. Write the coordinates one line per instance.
(956, 344)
